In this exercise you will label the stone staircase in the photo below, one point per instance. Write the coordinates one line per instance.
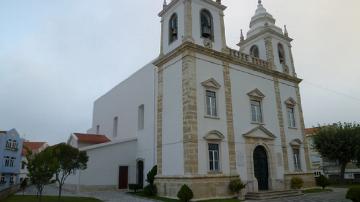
(272, 194)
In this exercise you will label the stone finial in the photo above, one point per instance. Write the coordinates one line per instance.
(242, 38)
(164, 4)
(285, 31)
(259, 2)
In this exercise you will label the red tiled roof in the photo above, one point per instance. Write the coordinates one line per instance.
(32, 146)
(311, 131)
(91, 138)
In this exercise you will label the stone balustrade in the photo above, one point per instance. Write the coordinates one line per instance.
(249, 59)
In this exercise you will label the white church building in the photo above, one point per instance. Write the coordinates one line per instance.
(202, 112)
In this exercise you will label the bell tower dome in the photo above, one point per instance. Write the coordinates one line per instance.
(267, 41)
(197, 21)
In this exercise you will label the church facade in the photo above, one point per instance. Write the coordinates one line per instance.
(205, 113)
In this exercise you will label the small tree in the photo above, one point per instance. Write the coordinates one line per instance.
(322, 181)
(69, 160)
(150, 189)
(353, 194)
(41, 167)
(339, 142)
(185, 194)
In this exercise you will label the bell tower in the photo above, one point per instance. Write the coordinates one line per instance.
(197, 21)
(267, 41)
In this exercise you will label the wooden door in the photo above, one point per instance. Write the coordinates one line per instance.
(261, 168)
(123, 177)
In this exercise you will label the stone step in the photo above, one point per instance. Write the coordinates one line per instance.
(272, 194)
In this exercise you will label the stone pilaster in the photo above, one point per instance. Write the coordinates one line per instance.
(222, 26)
(162, 37)
(269, 52)
(281, 124)
(188, 21)
(159, 121)
(292, 61)
(190, 139)
(302, 127)
(229, 119)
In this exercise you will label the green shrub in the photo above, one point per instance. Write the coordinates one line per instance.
(322, 181)
(296, 183)
(236, 186)
(185, 194)
(150, 190)
(151, 175)
(354, 194)
(135, 187)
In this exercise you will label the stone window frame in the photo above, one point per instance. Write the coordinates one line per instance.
(257, 96)
(6, 161)
(174, 16)
(214, 86)
(296, 145)
(212, 37)
(290, 103)
(2, 179)
(214, 137)
(281, 50)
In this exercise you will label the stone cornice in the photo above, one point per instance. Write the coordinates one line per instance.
(191, 47)
(217, 5)
(265, 31)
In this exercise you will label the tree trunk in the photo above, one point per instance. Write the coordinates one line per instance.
(342, 173)
(60, 190)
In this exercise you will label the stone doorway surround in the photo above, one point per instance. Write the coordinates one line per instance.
(260, 136)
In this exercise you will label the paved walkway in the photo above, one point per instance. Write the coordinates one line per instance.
(338, 195)
(106, 196)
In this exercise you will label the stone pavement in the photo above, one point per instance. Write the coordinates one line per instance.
(338, 195)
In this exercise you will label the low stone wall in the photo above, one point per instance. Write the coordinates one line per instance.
(8, 191)
(203, 187)
(309, 179)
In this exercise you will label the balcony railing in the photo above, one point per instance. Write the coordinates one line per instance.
(249, 59)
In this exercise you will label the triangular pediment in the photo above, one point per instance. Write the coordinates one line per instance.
(214, 135)
(211, 83)
(290, 102)
(256, 93)
(260, 132)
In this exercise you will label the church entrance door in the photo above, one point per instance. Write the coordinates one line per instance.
(261, 168)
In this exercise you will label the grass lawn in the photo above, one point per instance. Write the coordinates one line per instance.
(316, 190)
(18, 198)
(173, 200)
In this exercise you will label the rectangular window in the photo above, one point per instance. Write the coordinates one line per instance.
(23, 165)
(12, 160)
(297, 163)
(291, 117)
(214, 157)
(2, 180)
(256, 111)
(211, 108)
(98, 129)
(7, 161)
(115, 127)
(141, 114)
(12, 179)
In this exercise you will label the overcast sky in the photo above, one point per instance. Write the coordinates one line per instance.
(57, 57)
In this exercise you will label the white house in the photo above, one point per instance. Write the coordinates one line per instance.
(204, 113)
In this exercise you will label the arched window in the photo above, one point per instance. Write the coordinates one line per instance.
(173, 28)
(254, 51)
(206, 25)
(281, 52)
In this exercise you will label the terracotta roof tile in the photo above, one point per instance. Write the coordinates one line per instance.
(32, 146)
(311, 131)
(91, 138)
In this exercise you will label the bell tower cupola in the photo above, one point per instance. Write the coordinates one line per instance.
(267, 41)
(196, 21)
